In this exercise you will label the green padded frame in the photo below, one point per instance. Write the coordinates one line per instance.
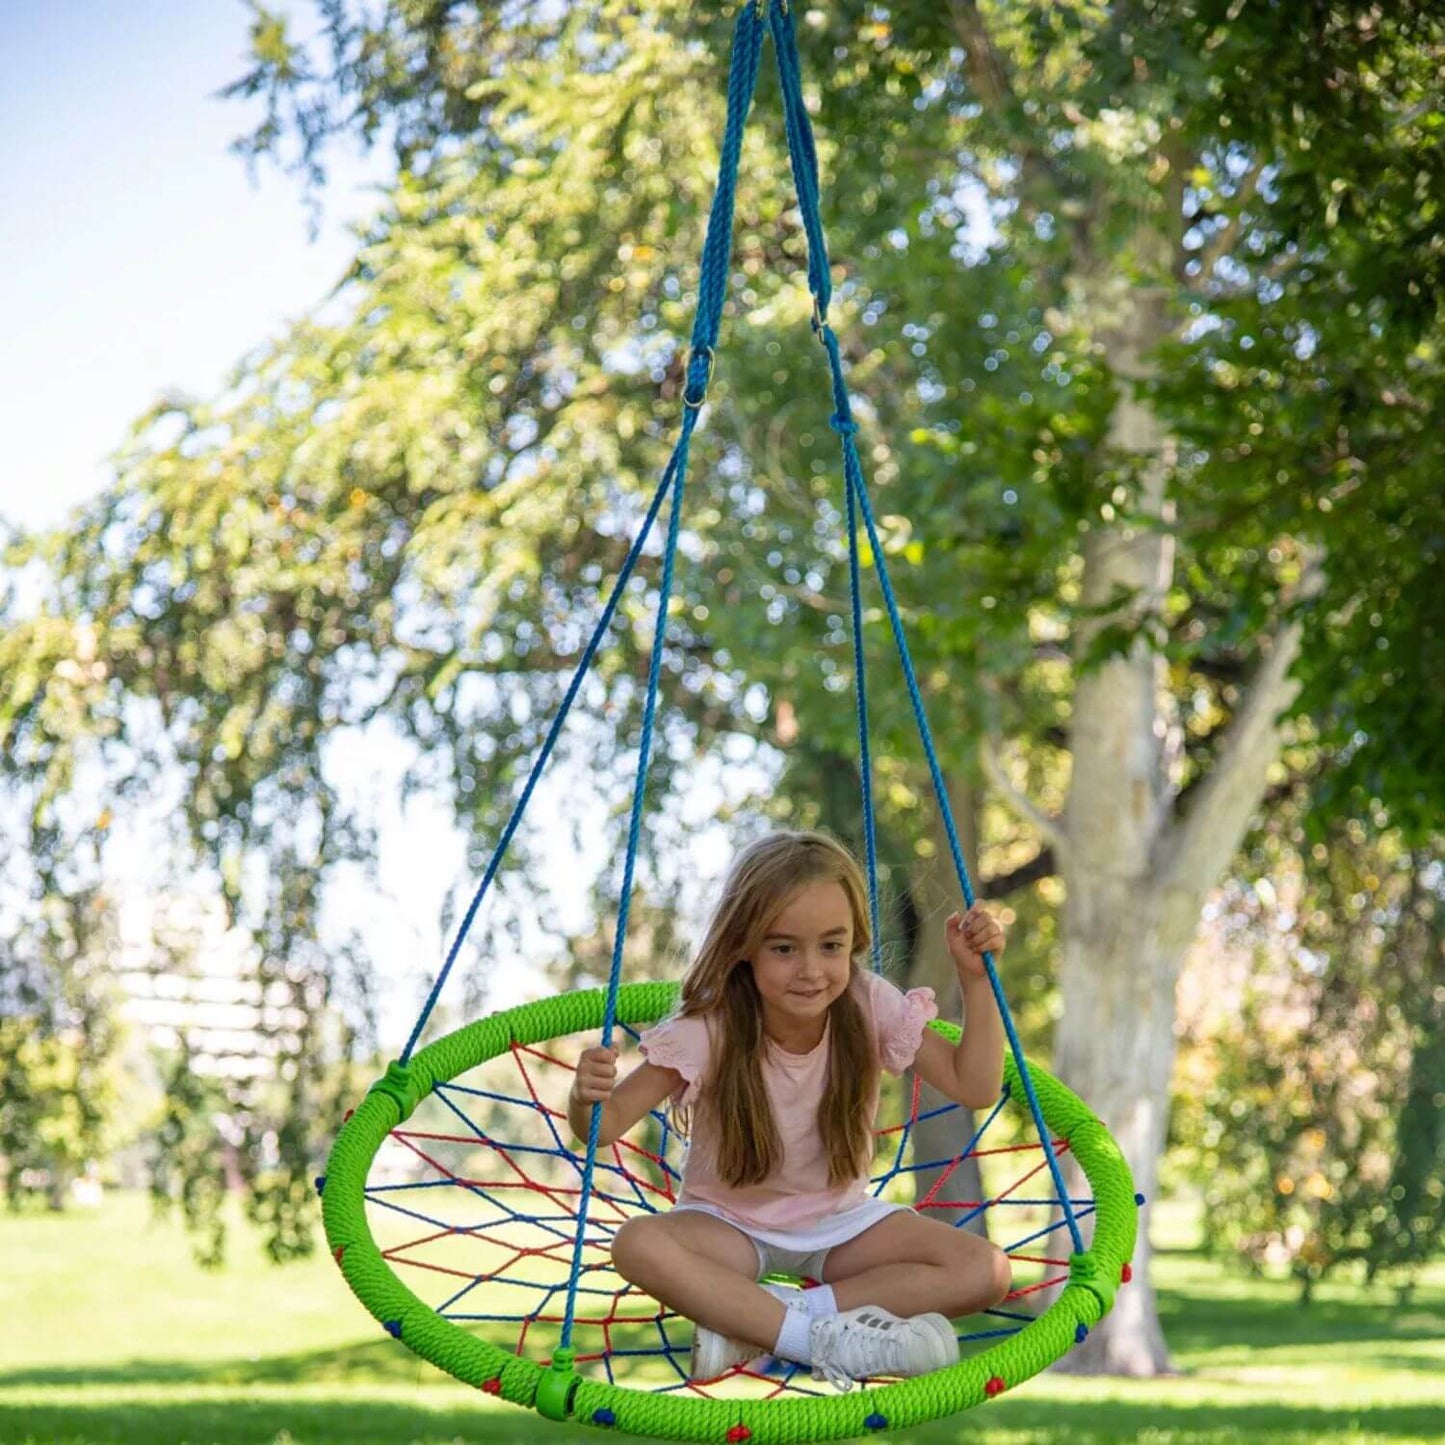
(1094, 1276)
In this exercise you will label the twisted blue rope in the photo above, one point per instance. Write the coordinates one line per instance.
(804, 158)
(599, 632)
(712, 291)
(748, 40)
(747, 44)
(865, 761)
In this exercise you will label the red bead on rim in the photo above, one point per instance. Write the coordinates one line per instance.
(995, 1386)
(1127, 1273)
(492, 1386)
(739, 1433)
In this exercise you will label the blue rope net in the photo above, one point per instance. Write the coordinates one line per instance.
(477, 1203)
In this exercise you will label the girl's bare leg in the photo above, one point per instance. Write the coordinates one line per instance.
(910, 1265)
(704, 1269)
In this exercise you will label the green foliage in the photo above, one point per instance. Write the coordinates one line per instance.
(398, 521)
(1314, 1121)
(189, 1172)
(59, 1041)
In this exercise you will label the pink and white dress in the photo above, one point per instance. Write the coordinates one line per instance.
(794, 1208)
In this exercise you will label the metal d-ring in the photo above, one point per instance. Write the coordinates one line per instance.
(706, 381)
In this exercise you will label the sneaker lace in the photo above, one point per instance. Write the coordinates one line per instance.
(845, 1351)
(826, 1336)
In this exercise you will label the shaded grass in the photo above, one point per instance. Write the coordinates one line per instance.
(227, 1421)
(109, 1333)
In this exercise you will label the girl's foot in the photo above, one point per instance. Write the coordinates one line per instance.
(860, 1343)
(714, 1354)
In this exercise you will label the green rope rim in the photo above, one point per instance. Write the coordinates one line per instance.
(1082, 1302)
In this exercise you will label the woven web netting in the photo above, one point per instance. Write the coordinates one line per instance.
(474, 1203)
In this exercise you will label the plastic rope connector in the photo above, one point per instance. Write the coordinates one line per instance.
(557, 1387)
(1086, 1270)
(400, 1084)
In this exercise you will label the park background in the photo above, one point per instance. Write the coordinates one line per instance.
(1142, 308)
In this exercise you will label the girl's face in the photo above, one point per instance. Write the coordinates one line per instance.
(802, 964)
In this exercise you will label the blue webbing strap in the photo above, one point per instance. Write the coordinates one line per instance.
(804, 158)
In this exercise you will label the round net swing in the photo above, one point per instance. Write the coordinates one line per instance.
(471, 1229)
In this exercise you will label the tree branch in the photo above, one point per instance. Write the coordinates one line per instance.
(1198, 847)
(988, 78)
(1222, 241)
(1048, 827)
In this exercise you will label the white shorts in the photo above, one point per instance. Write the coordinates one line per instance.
(803, 1251)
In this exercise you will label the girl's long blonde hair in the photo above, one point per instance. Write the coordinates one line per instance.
(763, 879)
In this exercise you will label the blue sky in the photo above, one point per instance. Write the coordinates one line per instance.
(136, 256)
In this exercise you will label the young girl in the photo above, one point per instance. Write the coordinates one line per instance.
(774, 1058)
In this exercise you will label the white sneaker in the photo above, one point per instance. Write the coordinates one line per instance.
(860, 1343)
(714, 1354)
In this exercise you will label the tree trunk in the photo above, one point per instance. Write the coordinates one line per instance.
(1115, 1042)
(1136, 877)
(1115, 1046)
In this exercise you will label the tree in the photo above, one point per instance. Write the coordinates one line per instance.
(1134, 467)
(59, 1043)
(1314, 1128)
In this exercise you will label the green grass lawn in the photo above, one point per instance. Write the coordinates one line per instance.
(109, 1333)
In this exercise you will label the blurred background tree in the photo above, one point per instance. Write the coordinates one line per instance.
(1314, 1120)
(1142, 305)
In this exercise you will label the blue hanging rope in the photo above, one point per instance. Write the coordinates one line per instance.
(804, 158)
(747, 43)
(865, 759)
(712, 291)
(599, 632)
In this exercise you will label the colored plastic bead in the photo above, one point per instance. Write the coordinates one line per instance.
(1139, 1199)
(393, 1328)
(876, 1422)
(339, 1253)
(320, 1182)
(492, 1386)
(738, 1434)
(994, 1387)
(1081, 1333)
(1127, 1273)
(603, 1417)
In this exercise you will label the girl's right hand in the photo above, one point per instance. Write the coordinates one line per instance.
(596, 1075)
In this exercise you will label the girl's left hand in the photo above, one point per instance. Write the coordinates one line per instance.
(970, 936)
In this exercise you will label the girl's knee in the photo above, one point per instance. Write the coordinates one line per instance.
(984, 1275)
(1001, 1276)
(632, 1246)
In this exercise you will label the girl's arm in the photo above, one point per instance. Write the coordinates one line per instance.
(623, 1104)
(970, 1073)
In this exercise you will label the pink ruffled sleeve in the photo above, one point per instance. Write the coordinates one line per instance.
(898, 1020)
(681, 1044)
